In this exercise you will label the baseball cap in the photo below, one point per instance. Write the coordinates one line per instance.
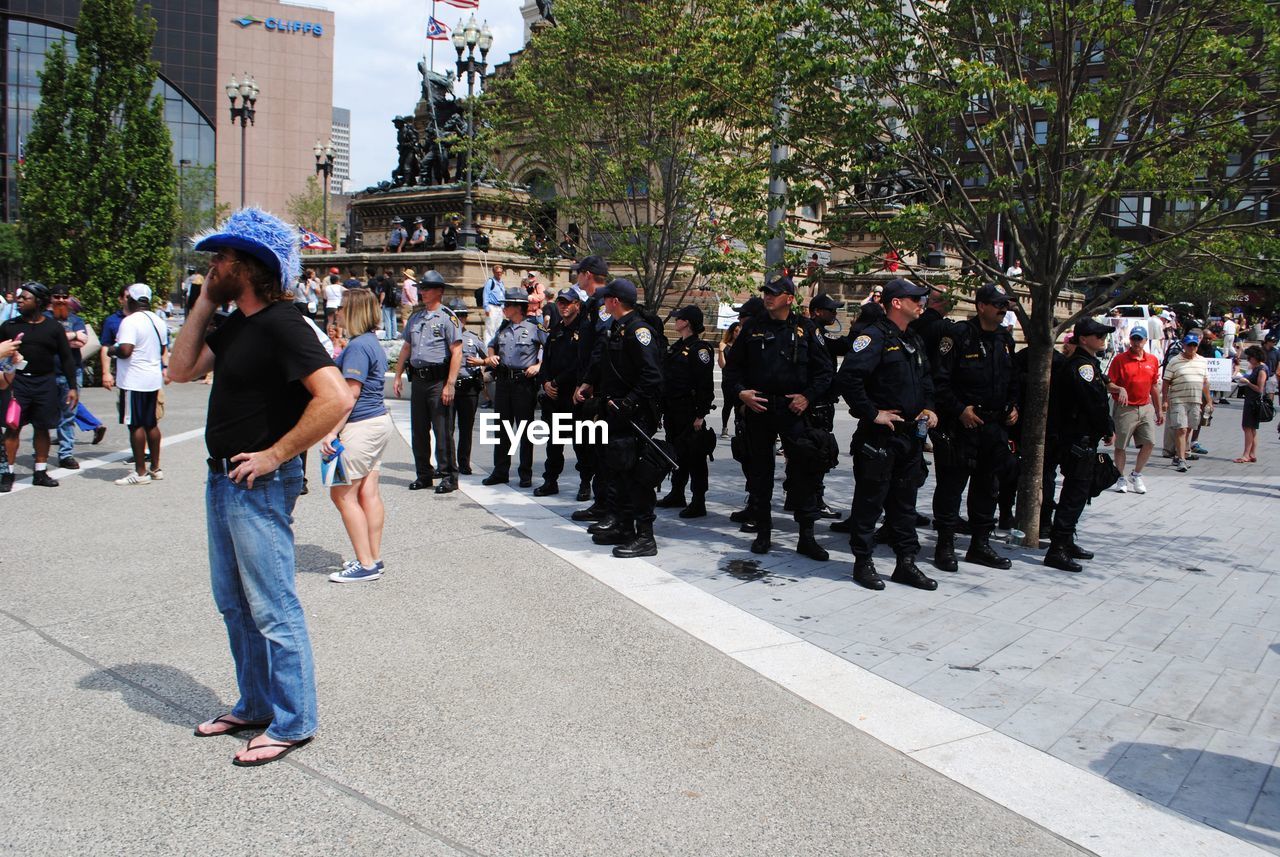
(334, 271)
(825, 301)
(752, 306)
(1190, 339)
(900, 288)
(780, 285)
(569, 294)
(1138, 333)
(691, 314)
(1089, 327)
(621, 288)
(60, 290)
(991, 293)
(594, 264)
(139, 292)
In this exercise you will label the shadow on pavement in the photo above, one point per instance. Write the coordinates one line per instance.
(1216, 788)
(313, 559)
(166, 681)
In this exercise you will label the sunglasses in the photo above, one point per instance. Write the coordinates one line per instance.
(1003, 305)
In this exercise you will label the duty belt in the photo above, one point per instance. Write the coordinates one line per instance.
(511, 374)
(436, 372)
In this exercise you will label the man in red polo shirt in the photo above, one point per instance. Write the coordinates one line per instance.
(1135, 385)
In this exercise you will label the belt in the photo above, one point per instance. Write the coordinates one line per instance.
(513, 374)
(220, 466)
(436, 372)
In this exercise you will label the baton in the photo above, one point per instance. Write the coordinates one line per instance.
(647, 439)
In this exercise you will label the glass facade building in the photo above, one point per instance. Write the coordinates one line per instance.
(185, 47)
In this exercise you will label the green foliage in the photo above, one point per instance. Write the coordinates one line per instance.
(307, 210)
(651, 120)
(197, 211)
(99, 190)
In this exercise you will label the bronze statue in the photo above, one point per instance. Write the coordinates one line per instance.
(406, 171)
(544, 9)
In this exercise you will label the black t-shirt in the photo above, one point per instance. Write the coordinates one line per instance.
(259, 363)
(42, 343)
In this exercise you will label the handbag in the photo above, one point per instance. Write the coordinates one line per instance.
(160, 404)
(1266, 409)
(13, 414)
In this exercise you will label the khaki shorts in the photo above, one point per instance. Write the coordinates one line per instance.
(1184, 415)
(363, 444)
(1137, 422)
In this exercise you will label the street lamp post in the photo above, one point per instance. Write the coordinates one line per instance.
(247, 89)
(324, 164)
(467, 37)
(183, 163)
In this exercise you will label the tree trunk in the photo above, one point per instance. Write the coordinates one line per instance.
(1035, 417)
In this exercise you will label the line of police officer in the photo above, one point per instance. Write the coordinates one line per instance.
(909, 375)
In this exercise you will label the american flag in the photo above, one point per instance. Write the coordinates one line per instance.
(464, 4)
(312, 241)
(436, 32)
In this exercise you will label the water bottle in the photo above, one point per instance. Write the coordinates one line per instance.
(1015, 537)
(922, 427)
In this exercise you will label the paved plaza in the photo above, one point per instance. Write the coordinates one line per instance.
(510, 690)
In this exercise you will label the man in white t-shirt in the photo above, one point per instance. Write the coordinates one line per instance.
(1185, 395)
(1229, 331)
(140, 349)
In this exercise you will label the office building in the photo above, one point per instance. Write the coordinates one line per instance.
(341, 137)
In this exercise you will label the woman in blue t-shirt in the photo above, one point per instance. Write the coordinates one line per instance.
(364, 435)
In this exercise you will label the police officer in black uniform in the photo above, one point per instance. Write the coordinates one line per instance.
(593, 327)
(885, 381)
(1080, 417)
(557, 379)
(514, 357)
(823, 309)
(977, 394)
(470, 382)
(745, 516)
(688, 396)
(778, 367)
(628, 377)
(433, 350)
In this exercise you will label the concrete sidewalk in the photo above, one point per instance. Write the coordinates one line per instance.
(485, 697)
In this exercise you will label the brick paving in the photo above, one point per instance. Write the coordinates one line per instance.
(1157, 667)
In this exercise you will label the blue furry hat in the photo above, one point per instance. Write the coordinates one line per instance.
(263, 236)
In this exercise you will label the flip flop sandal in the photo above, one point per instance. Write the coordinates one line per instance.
(236, 728)
(288, 748)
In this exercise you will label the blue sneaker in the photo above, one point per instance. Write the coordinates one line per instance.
(1199, 449)
(353, 572)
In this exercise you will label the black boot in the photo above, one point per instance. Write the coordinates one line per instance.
(1058, 558)
(674, 500)
(584, 491)
(982, 553)
(742, 516)
(697, 507)
(623, 534)
(864, 573)
(1076, 552)
(764, 534)
(845, 526)
(591, 513)
(547, 488)
(608, 522)
(808, 545)
(944, 552)
(642, 545)
(907, 572)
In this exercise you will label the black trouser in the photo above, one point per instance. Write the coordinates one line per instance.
(514, 399)
(1077, 484)
(554, 465)
(977, 456)
(466, 399)
(429, 415)
(678, 416)
(888, 468)
(589, 455)
(631, 499)
(804, 487)
(1049, 478)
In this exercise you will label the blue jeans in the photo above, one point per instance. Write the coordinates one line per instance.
(389, 322)
(72, 418)
(251, 564)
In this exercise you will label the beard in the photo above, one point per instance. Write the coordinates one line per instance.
(61, 311)
(222, 291)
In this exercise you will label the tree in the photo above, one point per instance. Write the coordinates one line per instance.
(1117, 142)
(654, 138)
(307, 210)
(197, 211)
(98, 187)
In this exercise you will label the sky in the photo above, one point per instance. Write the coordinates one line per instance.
(377, 46)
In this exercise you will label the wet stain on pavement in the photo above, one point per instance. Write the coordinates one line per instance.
(745, 569)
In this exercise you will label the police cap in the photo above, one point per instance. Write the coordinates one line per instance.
(780, 285)
(1089, 327)
(432, 280)
(516, 295)
(569, 294)
(991, 293)
(753, 306)
(825, 301)
(594, 264)
(900, 288)
(459, 306)
(621, 288)
(691, 314)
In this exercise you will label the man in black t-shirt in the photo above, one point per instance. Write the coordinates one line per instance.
(44, 352)
(275, 393)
